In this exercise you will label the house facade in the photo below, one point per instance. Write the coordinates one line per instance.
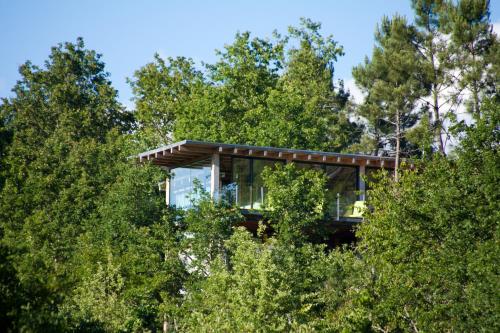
(234, 172)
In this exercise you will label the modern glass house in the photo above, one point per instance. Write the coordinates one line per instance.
(234, 171)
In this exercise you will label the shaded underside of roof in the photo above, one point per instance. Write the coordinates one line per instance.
(188, 151)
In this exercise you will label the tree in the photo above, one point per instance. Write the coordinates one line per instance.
(436, 271)
(276, 277)
(5, 141)
(270, 286)
(161, 88)
(214, 106)
(306, 109)
(100, 301)
(439, 62)
(296, 202)
(476, 48)
(206, 226)
(129, 268)
(393, 81)
(65, 123)
(253, 94)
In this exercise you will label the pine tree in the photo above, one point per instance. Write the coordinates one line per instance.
(439, 64)
(393, 82)
(476, 47)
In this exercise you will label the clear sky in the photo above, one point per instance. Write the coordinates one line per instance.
(128, 33)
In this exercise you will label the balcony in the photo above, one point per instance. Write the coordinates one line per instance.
(345, 207)
(234, 172)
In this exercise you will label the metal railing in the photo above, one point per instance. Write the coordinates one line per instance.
(339, 205)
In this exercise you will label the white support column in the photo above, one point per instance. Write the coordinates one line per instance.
(215, 176)
(167, 187)
(362, 185)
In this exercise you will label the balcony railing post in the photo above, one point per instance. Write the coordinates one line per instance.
(338, 206)
(262, 196)
(237, 202)
(362, 185)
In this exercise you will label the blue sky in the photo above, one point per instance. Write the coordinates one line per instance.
(128, 33)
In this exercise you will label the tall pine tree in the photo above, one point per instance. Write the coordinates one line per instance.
(393, 82)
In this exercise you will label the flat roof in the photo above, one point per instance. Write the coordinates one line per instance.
(189, 151)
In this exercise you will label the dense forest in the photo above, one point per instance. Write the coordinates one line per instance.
(87, 243)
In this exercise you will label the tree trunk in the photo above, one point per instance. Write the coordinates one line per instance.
(165, 324)
(435, 92)
(377, 142)
(475, 94)
(437, 123)
(475, 89)
(398, 145)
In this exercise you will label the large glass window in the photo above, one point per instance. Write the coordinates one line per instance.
(183, 179)
(341, 186)
(371, 177)
(341, 189)
(250, 193)
(248, 183)
(308, 165)
(258, 189)
(242, 178)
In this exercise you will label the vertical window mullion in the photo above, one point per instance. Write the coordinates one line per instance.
(251, 183)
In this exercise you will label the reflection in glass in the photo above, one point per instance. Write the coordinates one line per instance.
(249, 187)
(183, 179)
(372, 176)
(306, 165)
(341, 186)
(242, 179)
(342, 180)
(258, 190)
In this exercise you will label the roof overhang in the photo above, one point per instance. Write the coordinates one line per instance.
(188, 151)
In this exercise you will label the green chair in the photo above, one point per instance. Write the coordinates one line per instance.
(355, 210)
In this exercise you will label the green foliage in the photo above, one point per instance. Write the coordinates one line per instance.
(65, 122)
(454, 55)
(206, 225)
(259, 92)
(5, 141)
(393, 83)
(295, 201)
(100, 301)
(161, 88)
(426, 239)
(133, 242)
(270, 287)
(476, 47)
(438, 65)
(419, 136)
(87, 243)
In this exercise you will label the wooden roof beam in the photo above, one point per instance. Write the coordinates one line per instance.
(200, 150)
(285, 155)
